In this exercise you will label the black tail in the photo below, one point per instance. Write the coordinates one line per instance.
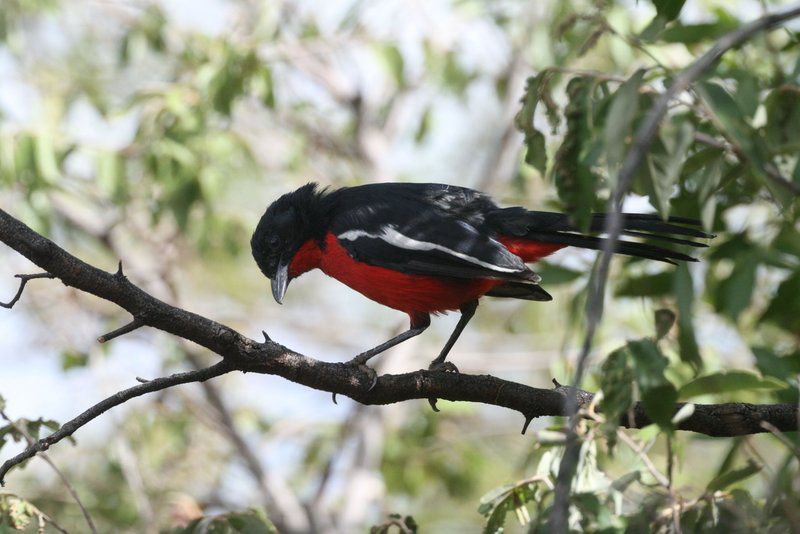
(555, 228)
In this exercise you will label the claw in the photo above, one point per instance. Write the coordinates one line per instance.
(365, 369)
(447, 367)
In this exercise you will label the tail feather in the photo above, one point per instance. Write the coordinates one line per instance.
(547, 227)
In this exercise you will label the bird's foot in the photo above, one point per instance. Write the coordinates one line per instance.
(447, 367)
(358, 364)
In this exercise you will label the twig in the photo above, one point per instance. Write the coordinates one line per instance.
(24, 278)
(103, 406)
(782, 438)
(648, 463)
(130, 327)
(70, 488)
(594, 309)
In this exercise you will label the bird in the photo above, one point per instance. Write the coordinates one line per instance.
(426, 249)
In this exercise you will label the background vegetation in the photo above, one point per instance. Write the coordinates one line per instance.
(156, 132)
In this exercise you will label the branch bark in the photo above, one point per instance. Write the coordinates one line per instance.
(244, 354)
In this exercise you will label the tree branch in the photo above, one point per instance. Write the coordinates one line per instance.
(244, 354)
(24, 278)
(118, 398)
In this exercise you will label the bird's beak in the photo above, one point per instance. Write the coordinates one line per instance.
(280, 282)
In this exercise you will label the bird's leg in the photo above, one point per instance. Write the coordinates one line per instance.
(418, 326)
(419, 322)
(467, 311)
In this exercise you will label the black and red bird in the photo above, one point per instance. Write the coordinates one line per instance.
(432, 248)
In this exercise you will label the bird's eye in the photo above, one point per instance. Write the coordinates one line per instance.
(274, 241)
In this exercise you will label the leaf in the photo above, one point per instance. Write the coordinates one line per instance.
(734, 293)
(684, 295)
(663, 319)
(669, 9)
(784, 310)
(573, 175)
(684, 413)
(732, 477)
(392, 61)
(616, 381)
(710, 178)
(619, 118)
(535, 154)
(783, 117)
(771, 364)
(658, 394)
(650, 285)
(665, 161)
(733, 125)
(727, 382)
(424, 126)
(71, 359)
(690, 34)
(555, 274)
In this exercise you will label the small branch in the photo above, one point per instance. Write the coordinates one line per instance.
(70, 488)
(23, 281)
(646, 461)
(130, 327)
(781, 437)
(118, 398)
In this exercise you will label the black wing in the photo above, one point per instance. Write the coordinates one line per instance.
(423, 229)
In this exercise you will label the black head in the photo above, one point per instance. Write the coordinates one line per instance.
(287, 224)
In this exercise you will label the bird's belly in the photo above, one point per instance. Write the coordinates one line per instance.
(410, 293)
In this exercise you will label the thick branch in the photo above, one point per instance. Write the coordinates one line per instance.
(244, 354)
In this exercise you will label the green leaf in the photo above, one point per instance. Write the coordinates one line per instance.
(663, 320)
(690, 34)
(732, 477)
(573, 173)
(733, 125)
(658, 394)
(735, 292)
(535, 154)
(556, 274)
(665, 162)
(424, 126)
(772, 364)
(783, 117)
(393, 62)
(619, 119)
(727, 382)
(649, 285)
(669, 9)
(71, 359)
(784, 310)
(684, 295)
(616, 380)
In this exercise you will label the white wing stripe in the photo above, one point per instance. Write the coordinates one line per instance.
(395, 238)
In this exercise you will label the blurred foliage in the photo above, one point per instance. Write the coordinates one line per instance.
(152, 140)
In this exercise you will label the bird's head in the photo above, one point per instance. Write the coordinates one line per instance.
(286, 225)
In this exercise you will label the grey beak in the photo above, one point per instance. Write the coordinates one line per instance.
(280, 282)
